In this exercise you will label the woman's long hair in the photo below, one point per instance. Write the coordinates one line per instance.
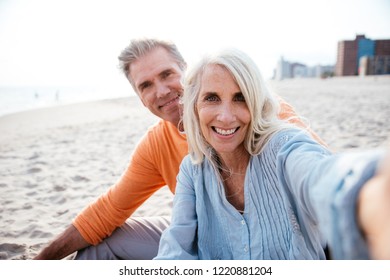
(262, 104)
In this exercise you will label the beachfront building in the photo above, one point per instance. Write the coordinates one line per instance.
(373, 54)
(286, 70)
(374, 65)
(283, 70)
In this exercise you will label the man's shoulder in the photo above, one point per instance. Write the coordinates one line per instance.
(162, 127)
(157, 131)
(163, 134)
(157, 126)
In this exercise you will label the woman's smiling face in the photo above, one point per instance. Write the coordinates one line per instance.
(223, 113)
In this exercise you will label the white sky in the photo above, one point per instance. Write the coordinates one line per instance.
(77, 42)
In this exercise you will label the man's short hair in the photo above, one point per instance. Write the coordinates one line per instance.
(140, 47)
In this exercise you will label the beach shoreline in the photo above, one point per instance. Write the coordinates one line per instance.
(54, 161)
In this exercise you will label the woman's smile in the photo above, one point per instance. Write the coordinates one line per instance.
(223, 113)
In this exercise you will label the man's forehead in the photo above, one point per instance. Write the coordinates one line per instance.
(151, 65)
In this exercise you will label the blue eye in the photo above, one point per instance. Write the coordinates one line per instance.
(239, 97)
(211, 98)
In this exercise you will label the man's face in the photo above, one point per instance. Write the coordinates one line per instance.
(157, 79)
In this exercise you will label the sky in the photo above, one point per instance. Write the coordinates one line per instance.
(77, 42)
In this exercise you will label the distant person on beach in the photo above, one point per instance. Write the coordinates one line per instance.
(102, 230)
(256, 187)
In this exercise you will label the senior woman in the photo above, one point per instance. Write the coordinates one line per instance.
(255, 187)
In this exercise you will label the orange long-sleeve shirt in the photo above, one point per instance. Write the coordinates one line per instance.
(155, 163)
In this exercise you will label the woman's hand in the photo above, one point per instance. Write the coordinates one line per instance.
(374, 211)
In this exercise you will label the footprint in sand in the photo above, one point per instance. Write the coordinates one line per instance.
(79, 178)
(8, 250)
(34, 170)
(59, 188)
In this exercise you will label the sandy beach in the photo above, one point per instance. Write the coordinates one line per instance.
(55, 161)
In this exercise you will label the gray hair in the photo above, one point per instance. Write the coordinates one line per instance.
(140, 47)
(262, 104)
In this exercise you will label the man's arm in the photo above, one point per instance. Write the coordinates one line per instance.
(65, 244)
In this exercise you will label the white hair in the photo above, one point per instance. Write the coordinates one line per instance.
(262, 104)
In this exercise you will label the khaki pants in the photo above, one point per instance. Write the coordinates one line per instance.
(137, 239)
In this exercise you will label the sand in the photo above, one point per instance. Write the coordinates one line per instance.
(55, 161)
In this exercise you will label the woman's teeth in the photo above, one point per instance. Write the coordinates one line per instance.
(225, 132)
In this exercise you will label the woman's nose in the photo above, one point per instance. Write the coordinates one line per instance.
(226, 113)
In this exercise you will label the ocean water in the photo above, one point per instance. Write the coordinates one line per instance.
(17, 99)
